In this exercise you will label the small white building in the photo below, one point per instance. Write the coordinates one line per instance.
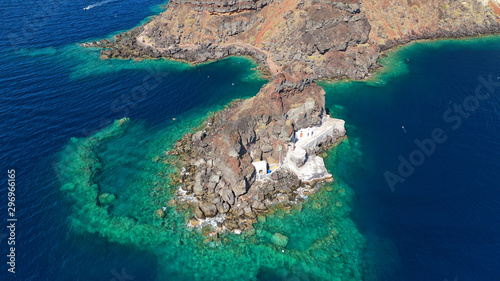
(305, 133)
(260, 169)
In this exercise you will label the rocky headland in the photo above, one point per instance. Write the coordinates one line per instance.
(217, 171)
(295, 43)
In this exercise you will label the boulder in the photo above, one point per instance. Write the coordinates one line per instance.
(230, 224)
(250, 215)
(198, 213)
(258, 205)
(223, 207)
(209, 209)
(198, 189)
(249, 212)
(266, 147)
(215, 199)
(239, 188)
(227, 195)
(214, 178)
(211, 186)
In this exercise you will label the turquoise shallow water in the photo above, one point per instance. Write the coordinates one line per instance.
(58, 106)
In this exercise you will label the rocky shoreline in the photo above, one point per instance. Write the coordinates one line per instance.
(235, 205)
(233, 168)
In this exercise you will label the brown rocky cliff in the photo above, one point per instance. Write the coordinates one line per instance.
(396, 22)
(251, 131)
(321, 38)
(219, 157)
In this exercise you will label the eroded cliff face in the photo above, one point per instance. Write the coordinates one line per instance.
(295, 41)
(400, 21)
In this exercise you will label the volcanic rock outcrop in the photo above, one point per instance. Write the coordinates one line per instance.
(217, 161)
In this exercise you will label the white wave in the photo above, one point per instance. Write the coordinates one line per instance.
(98, 4)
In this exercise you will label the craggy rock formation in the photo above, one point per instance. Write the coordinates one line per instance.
(217, 160)
(295, 42)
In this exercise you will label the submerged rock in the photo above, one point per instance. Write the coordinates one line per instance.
(68, 186)
(160, 213)
(279, 240)
(106, 199)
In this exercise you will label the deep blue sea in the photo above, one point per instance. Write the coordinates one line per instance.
(441, 223)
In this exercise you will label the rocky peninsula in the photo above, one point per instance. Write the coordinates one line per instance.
(262, 150)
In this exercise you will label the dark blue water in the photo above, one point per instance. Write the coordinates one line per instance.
(443, 219)
(439, 224)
